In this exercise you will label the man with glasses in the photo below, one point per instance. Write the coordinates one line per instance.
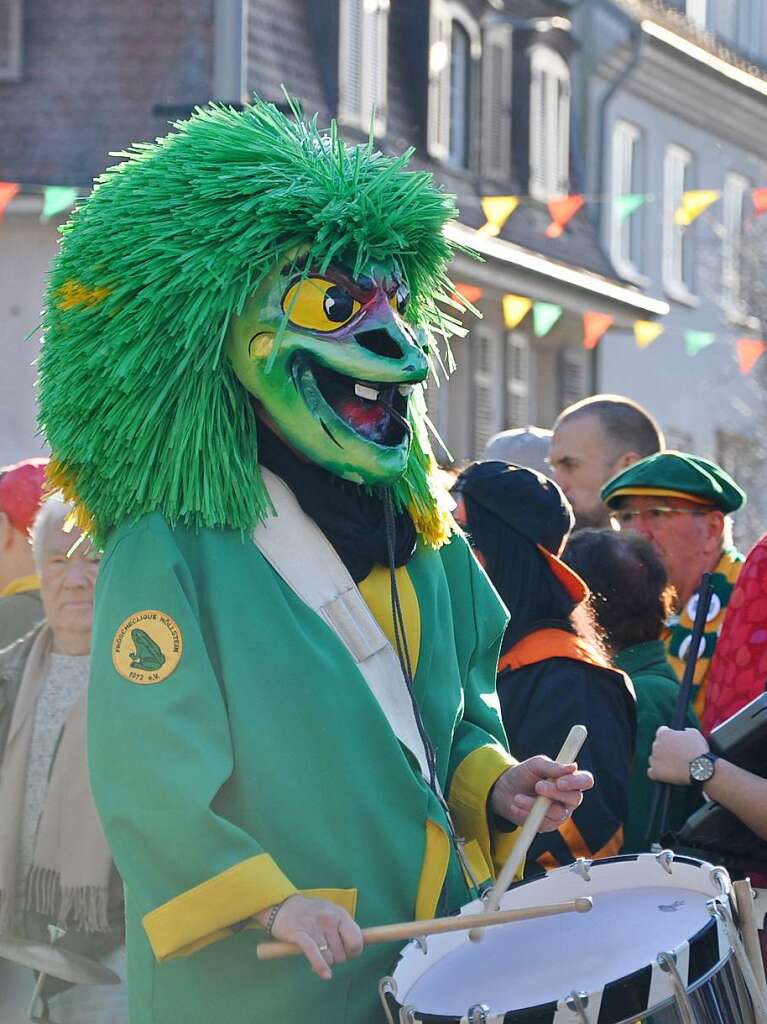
(682, 503)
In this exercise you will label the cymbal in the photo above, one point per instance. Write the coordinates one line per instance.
(59, 963)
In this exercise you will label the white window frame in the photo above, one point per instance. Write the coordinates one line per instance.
(442, 14)
(735, 194)
(676, 162)
(549, 143)
(497, 71)
(626, 150)
(363, 53)
(11, 50)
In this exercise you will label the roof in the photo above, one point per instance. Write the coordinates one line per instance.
(661, 13)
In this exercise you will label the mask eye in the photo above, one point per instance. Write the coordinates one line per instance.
(319, 305)
(399, 300)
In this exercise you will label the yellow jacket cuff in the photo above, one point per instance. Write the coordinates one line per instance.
(470, 788)
(206, 913)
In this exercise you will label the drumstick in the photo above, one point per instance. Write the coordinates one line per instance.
(744, 900)
(575, 740)
(437, 926)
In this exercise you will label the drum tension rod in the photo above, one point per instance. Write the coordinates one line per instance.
(667, 963)
(578, 1003)
(665, 858)
(581, 867)
(477, 1014)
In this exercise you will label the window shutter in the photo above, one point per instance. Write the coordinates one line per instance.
(485, 353)
(438, 131)
(562, 156)
(735, 191)
(517, 380)
(549, 124)
(10, 40)
(573, 375)
(537, 134)
(496, 103)
(363, 58)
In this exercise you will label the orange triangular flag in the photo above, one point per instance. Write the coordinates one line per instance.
(759, 196)
(750, 350)
(471, 292)
(594, 327)
(8, 190)
(562, 212)
(497, 210)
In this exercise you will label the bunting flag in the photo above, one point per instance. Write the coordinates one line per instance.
(694, 203)
(646, 332)
(759, 197)
(624, 206)
(515, 309)
(8, 190)
(562, 212)
(545, 315)
(56, 199)
(471, 292)
(497, 210)
(594, 327)
(695, 341)
(750, 350)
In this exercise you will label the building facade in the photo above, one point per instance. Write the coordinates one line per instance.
(675, 99)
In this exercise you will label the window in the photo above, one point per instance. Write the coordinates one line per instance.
(517, 412)
(496, 103)
(678, 251)
(487, 413)
(573, 376)
(10, 40)
(362, 59)
(627, 179)
(454, 51)
(549, 124)
(736, 193)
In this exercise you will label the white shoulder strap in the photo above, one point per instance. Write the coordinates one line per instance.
(300, 553)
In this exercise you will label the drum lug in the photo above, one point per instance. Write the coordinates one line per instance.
(578, 1002)
(387, 986)
(477, 1014)
(665, 858)
(420, 941)
(667, 962)
(407, 1015)
(721, 879)
(581, 867)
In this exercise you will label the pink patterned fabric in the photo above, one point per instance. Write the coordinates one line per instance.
(739, 666)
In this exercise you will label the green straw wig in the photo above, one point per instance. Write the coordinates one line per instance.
(139, 404)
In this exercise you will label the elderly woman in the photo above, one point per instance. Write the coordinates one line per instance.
(55, 865)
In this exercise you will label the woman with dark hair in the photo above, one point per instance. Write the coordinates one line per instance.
(632, 599)
(553, 671)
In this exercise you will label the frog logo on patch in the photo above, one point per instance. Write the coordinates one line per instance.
(148, 655)
(147, 647)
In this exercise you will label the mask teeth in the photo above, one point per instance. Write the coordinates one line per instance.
(405, 389)
(366, 392)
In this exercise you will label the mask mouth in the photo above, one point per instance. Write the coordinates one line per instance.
(375, 411)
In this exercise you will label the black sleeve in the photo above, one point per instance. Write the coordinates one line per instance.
(564, 693)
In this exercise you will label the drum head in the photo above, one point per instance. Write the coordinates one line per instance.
(609, 953)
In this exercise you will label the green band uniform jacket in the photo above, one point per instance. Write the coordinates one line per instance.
(238, 756)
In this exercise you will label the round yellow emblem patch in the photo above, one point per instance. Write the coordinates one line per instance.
(147, 647)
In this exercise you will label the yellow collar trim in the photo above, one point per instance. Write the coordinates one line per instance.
(660, 492)
(20, 585)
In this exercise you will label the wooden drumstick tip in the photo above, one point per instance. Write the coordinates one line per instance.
(583, 904)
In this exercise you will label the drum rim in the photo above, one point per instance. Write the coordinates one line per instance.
(711, 929)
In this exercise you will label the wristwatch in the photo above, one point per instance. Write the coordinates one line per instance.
(702, 767)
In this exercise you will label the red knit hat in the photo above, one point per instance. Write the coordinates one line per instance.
(21, 492)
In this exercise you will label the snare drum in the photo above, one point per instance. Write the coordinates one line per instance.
(657, 947)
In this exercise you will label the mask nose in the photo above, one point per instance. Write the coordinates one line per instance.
(391, 342)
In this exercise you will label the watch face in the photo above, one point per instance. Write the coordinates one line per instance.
(701, 768)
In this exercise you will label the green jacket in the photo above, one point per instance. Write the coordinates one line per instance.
(237, 755)
(656, 688)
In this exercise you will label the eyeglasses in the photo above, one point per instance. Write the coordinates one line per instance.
(625, 518)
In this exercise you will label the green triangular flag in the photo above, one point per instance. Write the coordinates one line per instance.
(626, 205)
(545, 315)
(57, 198)
(694, 341)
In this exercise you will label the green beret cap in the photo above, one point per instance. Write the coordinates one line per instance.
(676, 475)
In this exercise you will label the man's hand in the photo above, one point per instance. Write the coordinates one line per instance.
(515, 792)
(325, 932)
(672, 752)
